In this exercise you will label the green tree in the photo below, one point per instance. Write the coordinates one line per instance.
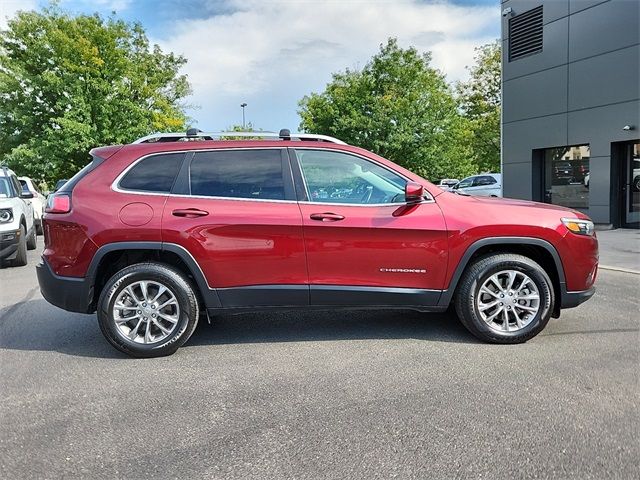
(70, 83)
(399, 107)
(239, 128)
(480, 101)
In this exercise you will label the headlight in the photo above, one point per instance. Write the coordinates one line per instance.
(6, 215)
(579, 226)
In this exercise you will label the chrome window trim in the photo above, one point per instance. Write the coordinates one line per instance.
(115, 185)
(430, 198)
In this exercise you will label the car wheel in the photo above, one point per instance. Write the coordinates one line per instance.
(21, 254)
(636, 184)
(148, 310)
(39, 229)
(505, 298)
(32, 240)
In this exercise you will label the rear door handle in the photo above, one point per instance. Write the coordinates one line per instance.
(189, 213)
(327, 217)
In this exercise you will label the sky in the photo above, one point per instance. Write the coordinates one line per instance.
(270, 53)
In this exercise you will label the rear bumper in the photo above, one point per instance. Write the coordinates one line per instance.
(69, 293)
(9, 244)
(573, 299)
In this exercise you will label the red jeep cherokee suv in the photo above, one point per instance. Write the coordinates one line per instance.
(155, 234)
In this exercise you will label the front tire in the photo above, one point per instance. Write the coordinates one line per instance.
(21, 254)
(148, 310)
(505, 298)
(32, 241)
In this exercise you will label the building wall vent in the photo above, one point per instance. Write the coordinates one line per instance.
(525, 34)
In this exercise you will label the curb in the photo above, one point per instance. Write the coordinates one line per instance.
(619, 269)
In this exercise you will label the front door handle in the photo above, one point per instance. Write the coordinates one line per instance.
(327, 217)
(189, 213)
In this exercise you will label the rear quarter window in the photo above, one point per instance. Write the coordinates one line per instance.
(154, 174)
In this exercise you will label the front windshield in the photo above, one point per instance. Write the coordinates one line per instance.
(5, 189)
(464, 183)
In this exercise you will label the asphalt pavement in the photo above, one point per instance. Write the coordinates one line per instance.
(357, 395)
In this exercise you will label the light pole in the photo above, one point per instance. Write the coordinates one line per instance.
(243, 105)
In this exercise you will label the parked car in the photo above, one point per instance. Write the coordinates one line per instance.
(38, 201)
(447, 183)
(484, 185)
(562, 172)
(157, 234)
(17, 226)
(635, 183)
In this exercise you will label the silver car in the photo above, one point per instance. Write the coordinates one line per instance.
(483, 185)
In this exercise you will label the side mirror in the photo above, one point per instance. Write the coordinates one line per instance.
(413, 192)
(26, 195)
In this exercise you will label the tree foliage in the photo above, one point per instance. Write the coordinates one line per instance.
(480, 100)
(399, 107)
(70, 83)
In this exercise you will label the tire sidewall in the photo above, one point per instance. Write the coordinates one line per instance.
(178, 337)
(21, 255)
(545, 289)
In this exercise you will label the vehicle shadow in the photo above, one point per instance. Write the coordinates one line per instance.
(314, 326)
(36, 325)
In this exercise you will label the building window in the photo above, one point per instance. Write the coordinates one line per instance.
(525, 34)
(566, 176)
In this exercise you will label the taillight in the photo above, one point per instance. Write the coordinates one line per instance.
(58, 203)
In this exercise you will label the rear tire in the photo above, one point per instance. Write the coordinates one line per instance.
(32, 240)
(522, 299)
(144, 336)
(21, 253)
(39, 229)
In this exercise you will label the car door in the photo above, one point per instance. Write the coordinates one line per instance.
(235, 212)
(364, 244)
(485, 186)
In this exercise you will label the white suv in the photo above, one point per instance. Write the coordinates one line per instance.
(38, 202)
(17, 226)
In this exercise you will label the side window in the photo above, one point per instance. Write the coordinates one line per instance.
(153, 174)
(250, 174)
(483, 181)
(25, 187)
(334, 177)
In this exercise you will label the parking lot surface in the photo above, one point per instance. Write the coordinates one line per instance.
(321, 395)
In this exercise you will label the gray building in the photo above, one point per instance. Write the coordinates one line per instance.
(571, 105)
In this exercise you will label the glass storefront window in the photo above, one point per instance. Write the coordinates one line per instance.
(566, 174)
(632, 184)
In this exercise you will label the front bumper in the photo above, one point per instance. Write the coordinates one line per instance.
(9, 244)
(573, 299)
(69, 293)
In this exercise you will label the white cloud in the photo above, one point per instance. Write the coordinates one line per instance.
(271, 53)
(8, 8)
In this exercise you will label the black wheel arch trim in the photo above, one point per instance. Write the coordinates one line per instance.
(447, 295)
(209, 295)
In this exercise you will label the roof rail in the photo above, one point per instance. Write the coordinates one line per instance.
(194, 134)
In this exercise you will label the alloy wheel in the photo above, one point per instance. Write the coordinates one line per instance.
(508, 301)
(146, 312)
